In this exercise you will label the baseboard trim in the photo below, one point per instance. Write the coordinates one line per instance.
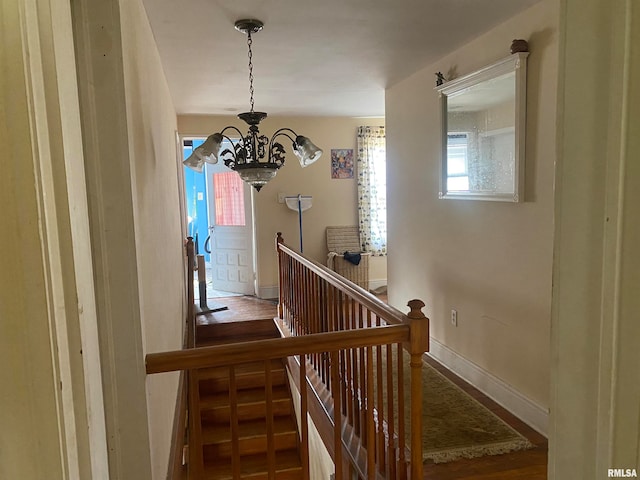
(381, 282)
(268, 292)
(505, 395)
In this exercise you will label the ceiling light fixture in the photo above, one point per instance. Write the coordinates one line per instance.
(255, 157)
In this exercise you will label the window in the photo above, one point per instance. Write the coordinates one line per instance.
(457, 162)
(372, 189)
(229, 199)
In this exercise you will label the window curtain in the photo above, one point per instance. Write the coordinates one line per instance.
(229, 199)
(372, 189)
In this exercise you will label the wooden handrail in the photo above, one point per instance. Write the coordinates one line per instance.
(238, 353)
(359, 294)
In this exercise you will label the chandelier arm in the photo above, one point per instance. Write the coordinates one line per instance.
(235, 129)
(283, 131)
(228, 139)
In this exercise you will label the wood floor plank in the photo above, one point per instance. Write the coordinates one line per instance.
(239, 309)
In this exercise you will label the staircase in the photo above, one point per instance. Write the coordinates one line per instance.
(237, 416)
(251, 411)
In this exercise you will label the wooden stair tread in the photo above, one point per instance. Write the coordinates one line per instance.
(232, 332)
(244, 369)
(208, 342)
(255, 467)
(244, 381)
(245, 397)
(247, 411)
(214, 432)
(249, 443)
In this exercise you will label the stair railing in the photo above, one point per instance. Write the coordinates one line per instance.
(332, 344)
(350, 351)
(364, 387)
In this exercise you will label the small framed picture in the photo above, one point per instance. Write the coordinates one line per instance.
(342, 163)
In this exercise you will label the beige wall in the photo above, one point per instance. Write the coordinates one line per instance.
(151, 122)
(595, 421)
(51, 408)
(129, 131)
(28, 400)
(75, 395)
(490, 261)
(334, 201)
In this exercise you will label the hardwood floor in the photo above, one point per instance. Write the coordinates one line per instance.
(524, 465)
(239, 308)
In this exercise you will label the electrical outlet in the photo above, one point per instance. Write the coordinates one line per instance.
(454, 318)
(281, 197)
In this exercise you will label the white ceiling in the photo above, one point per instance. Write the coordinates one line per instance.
(322, 57)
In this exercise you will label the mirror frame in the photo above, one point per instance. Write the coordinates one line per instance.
(517, 63)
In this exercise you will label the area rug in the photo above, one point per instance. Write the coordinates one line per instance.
(455, 425)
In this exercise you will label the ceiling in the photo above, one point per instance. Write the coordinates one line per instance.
(321, 58)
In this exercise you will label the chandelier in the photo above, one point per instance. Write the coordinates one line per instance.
(255, 157)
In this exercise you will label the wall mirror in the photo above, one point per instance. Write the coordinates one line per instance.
(483, 132)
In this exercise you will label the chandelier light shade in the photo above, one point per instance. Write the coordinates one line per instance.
(207, 152)
(306, 151)
(255, 157)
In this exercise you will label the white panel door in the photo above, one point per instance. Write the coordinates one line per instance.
(231, 229)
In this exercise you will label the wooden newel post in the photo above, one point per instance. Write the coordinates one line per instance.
(190, 248)
(280, 240)
(418, 344)
(202, 282)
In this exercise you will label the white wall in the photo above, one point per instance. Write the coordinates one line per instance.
(28, 402)
(51, 313)
(151, 122)
(334, 200)
(129, 131)
(51, 408)
(490, 261)
(595, 420)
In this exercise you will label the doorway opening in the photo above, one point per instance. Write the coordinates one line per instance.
(220, 220)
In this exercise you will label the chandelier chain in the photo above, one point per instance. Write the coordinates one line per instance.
(255, 157)
(249, 43)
